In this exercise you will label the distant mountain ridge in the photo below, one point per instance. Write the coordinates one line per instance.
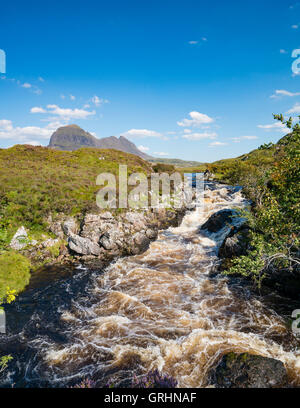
(73, 137)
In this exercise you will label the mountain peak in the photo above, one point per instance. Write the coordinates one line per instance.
(73, 137)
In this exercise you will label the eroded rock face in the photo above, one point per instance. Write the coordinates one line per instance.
(249, 371)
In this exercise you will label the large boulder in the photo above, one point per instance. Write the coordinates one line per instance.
(218, 220)
(249, 371)
(236, 244)
(83, 246)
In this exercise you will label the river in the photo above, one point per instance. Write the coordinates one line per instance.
(162, 309)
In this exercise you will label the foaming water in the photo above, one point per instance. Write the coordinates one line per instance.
(161, 310)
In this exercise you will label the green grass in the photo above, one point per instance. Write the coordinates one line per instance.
(14, 272)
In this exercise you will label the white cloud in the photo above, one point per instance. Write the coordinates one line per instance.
(62, 96)
(37, 109)
(213, 144)
(65, 114)
(283, 92)
(72, 97)
(27, 134)
(5, 125)
(295, 109)
(99, 101)
(295, 26)
(200, 136)
(187, 131)
(162, 154)
(282, 51)
(26, 85)
(238, 139)
(195, 42)
(197, 119)
(277, 126)
(68, 114)
(141, 133)
(143, 148)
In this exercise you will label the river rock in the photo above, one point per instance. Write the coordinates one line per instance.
(83, 246)
(249, 371)
(141, 241)
(108, 241)
(218, 220)
(236, 243)
(151, 234)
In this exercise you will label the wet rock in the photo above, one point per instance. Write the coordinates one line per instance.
(141, 241)
(69, 227)
(218, 220)
(83, 246)
(236, 244)
(249, 371)
(151, 234)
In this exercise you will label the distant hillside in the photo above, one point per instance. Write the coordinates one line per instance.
(72, 137)
(263, 157)
(177, 162)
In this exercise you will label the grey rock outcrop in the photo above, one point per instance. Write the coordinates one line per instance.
(83, 246)
(69, 226)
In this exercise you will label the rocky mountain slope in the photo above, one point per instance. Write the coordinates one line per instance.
(72, 137)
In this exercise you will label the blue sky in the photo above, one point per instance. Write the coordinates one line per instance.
(196, 80)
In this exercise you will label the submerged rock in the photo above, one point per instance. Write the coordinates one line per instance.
(249, 371)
